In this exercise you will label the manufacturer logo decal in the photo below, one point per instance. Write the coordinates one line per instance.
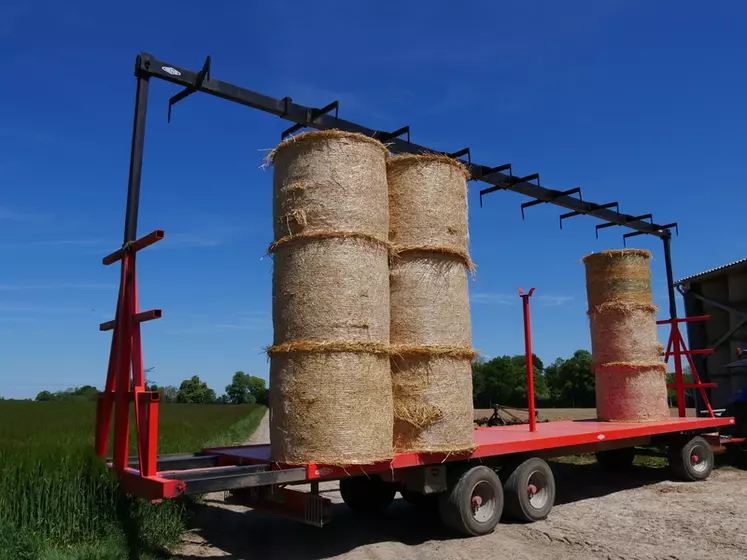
(170, 70)
(600, 437)
(324, 471)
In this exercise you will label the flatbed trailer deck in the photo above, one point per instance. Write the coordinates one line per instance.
(253, 479)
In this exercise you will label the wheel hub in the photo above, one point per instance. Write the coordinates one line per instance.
(483, 502)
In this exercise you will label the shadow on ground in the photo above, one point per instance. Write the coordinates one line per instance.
(253, 535)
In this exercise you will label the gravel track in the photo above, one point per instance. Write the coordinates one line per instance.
(598, 515)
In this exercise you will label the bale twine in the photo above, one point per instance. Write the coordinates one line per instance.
(631, 392)
(428, 204)
(433, 409)
(331, 289)
(330, 380)
(629, 376)
(330, 181)
(430, 319)
(429, 292)
(624, 335)
(330, 407)
(618, 277)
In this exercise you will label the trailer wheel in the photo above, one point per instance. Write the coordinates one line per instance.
(473, 504)
(367, 494)
(530, 491)
(691, 459)
(616, 459)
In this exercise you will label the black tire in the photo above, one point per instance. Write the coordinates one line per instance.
(367, 494)
(529, 491)
(473, 504)
(691, 459)
(616, 459)
(418, 499)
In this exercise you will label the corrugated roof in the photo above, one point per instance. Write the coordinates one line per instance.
(717, 269)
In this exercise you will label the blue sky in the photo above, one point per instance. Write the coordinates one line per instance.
(633, 101)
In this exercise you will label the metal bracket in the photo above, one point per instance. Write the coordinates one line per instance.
(460, 153)
(311, 116)
(592, 209)
(660, 228)
(202, 76)
(555, 196)
(386, 136)
(627, 220)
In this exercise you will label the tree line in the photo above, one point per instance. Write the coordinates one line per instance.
(501, 380)
(243, 389)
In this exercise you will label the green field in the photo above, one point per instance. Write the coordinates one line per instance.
(57, 501)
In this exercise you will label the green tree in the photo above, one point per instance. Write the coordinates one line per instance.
(169, 393)
(571, 382)
(45, 396)
(503, 380)
(247, 389)
(195, 391)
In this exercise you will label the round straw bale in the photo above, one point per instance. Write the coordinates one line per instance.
(331, 289)
(631, 392)
(330, 181)
(330, 407)
(432, 403)
(624, 335)
(621, 276)
(428, 202)
(429, 300)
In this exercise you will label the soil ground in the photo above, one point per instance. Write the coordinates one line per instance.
(598, 515)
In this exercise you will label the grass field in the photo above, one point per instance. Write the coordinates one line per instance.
(57, 501)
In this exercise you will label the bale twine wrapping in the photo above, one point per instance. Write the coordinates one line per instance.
(631, 392)
(432, 403)
(618, 277)
(430, 319)
(330, 379)
(330, 181)
(428, 295)
(330, 407)
(428, 204)
(629, 376)
(331, 289)
(624, 335)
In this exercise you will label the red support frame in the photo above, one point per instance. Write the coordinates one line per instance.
(125, 379)
(677, 348)
(529, 358)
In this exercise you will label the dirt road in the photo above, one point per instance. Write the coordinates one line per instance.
(598, 515)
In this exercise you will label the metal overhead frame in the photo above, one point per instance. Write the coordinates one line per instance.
(147, 66)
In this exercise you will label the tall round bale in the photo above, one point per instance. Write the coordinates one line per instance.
(430, 319)
(330, 380)
(630, 378)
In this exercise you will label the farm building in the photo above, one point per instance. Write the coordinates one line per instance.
(721, 293)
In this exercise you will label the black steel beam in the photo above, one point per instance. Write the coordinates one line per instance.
(147, 66)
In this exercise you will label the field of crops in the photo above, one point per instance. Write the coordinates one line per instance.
(58, 502)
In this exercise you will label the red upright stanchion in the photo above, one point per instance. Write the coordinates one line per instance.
(125, 380)
(530, 360)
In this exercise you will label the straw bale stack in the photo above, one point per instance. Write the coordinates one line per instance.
(330, 380)
(430, 320)
(630, 378)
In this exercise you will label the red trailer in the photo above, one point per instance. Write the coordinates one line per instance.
(505, 474)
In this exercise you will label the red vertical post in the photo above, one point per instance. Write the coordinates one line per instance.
(529, 358)
(123, 365)
(679, 382)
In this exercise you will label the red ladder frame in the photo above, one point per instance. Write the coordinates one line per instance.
(125, 378)
(676, 348)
